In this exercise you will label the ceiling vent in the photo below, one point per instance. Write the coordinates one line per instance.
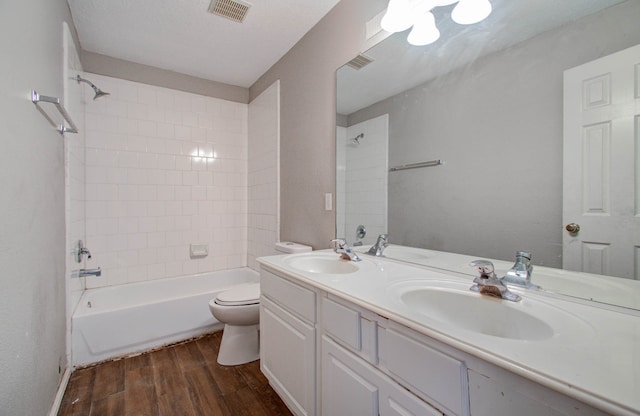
(359, 62)
(235, 10)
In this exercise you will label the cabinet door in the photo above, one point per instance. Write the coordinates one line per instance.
(397, 401)
(351, 386)
(347, 388)
(287, 354)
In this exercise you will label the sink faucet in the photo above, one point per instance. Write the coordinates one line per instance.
(344, 250)
(381, 243)
(489, 284)
(520, 273)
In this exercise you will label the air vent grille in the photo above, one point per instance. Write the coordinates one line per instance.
(359, 62)
(235, 10)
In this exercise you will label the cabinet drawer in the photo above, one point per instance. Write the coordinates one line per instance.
(293, 297)
(351, 327)
(428, 372)
(342, 323)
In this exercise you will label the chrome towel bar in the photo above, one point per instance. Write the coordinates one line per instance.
(37, 98)
(417, 165)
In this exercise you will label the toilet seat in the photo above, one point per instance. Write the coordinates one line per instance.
(247, 294)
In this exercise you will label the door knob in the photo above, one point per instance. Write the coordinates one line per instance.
(573, 228)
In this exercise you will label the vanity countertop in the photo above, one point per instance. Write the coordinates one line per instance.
(594, 356)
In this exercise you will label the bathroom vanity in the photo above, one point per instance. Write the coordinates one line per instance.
(380, 337)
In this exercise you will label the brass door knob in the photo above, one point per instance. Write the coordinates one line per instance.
(573, 228)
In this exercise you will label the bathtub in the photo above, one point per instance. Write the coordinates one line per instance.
(121, 320)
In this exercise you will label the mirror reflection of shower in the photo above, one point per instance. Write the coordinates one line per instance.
(98, 92)
(356, 140)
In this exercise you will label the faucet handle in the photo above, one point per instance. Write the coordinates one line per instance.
(485, 268)
(340, 243)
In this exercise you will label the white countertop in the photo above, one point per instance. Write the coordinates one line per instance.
(593, 356)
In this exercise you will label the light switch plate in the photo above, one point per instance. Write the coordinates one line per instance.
(328, 202)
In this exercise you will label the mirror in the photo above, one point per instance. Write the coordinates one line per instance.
(487, 101)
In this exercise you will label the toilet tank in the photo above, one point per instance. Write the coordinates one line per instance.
(290, 248)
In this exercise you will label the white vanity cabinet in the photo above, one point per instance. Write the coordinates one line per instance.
(325, 355)
(288, 341)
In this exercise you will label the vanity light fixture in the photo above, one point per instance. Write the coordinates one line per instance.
(403, 14)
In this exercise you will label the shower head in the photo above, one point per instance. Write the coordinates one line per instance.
(98, 92)
(356, 140)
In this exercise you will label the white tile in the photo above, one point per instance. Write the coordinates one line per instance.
(147, 224)
(148, 161)
(137, 111)
(156, 208)
(148, 128)
(199, 163)
(183, 163)
(167, 162)
(189, 119)
(157, 239)
(189, 148)
(165, 130)
(147, 95)
(166, 193)
(189, 178)
(135, 143)
(136, 241)
(182, 132)
(173, 177)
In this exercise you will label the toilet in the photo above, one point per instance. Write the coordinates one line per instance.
(239, 309)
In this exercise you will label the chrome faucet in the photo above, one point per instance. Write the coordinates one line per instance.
(489, 284)
(381, 243)
(81, 250)
(344, 250)
(520, 273)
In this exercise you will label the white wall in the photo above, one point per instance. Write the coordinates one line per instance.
(263, 175)
(32, 198)
(165, 169)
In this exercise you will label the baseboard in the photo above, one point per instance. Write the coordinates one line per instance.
(55, 407)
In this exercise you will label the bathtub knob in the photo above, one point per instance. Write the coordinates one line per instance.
(82, 250)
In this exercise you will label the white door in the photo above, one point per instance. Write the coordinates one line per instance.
(601, 171)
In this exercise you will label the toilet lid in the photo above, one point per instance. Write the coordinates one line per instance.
(245, 294)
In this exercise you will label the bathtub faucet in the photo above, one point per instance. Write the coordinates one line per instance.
(89, 272)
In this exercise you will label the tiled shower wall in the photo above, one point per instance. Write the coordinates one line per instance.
(264, 133)
(165, 169)
(366, 166)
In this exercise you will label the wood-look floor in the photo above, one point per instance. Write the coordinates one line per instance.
(183, 380)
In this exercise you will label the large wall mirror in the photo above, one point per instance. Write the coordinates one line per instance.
(487, 101)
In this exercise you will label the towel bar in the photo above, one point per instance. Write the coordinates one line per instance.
(37, 98)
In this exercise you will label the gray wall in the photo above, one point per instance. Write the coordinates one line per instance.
(131, 71)
(32, 240)
(498, 126)
(308, 118)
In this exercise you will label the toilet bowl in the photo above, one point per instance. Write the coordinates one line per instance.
(239, 309)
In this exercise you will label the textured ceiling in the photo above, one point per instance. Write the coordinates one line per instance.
(181, 36)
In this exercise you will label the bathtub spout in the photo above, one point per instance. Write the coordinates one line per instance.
(89, 272)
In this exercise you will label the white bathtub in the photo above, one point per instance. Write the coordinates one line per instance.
(121, 320)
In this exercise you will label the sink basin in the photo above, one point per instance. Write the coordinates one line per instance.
(477, 313)
(325, 264)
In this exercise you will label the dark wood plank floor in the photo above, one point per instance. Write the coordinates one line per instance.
(183, 380)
